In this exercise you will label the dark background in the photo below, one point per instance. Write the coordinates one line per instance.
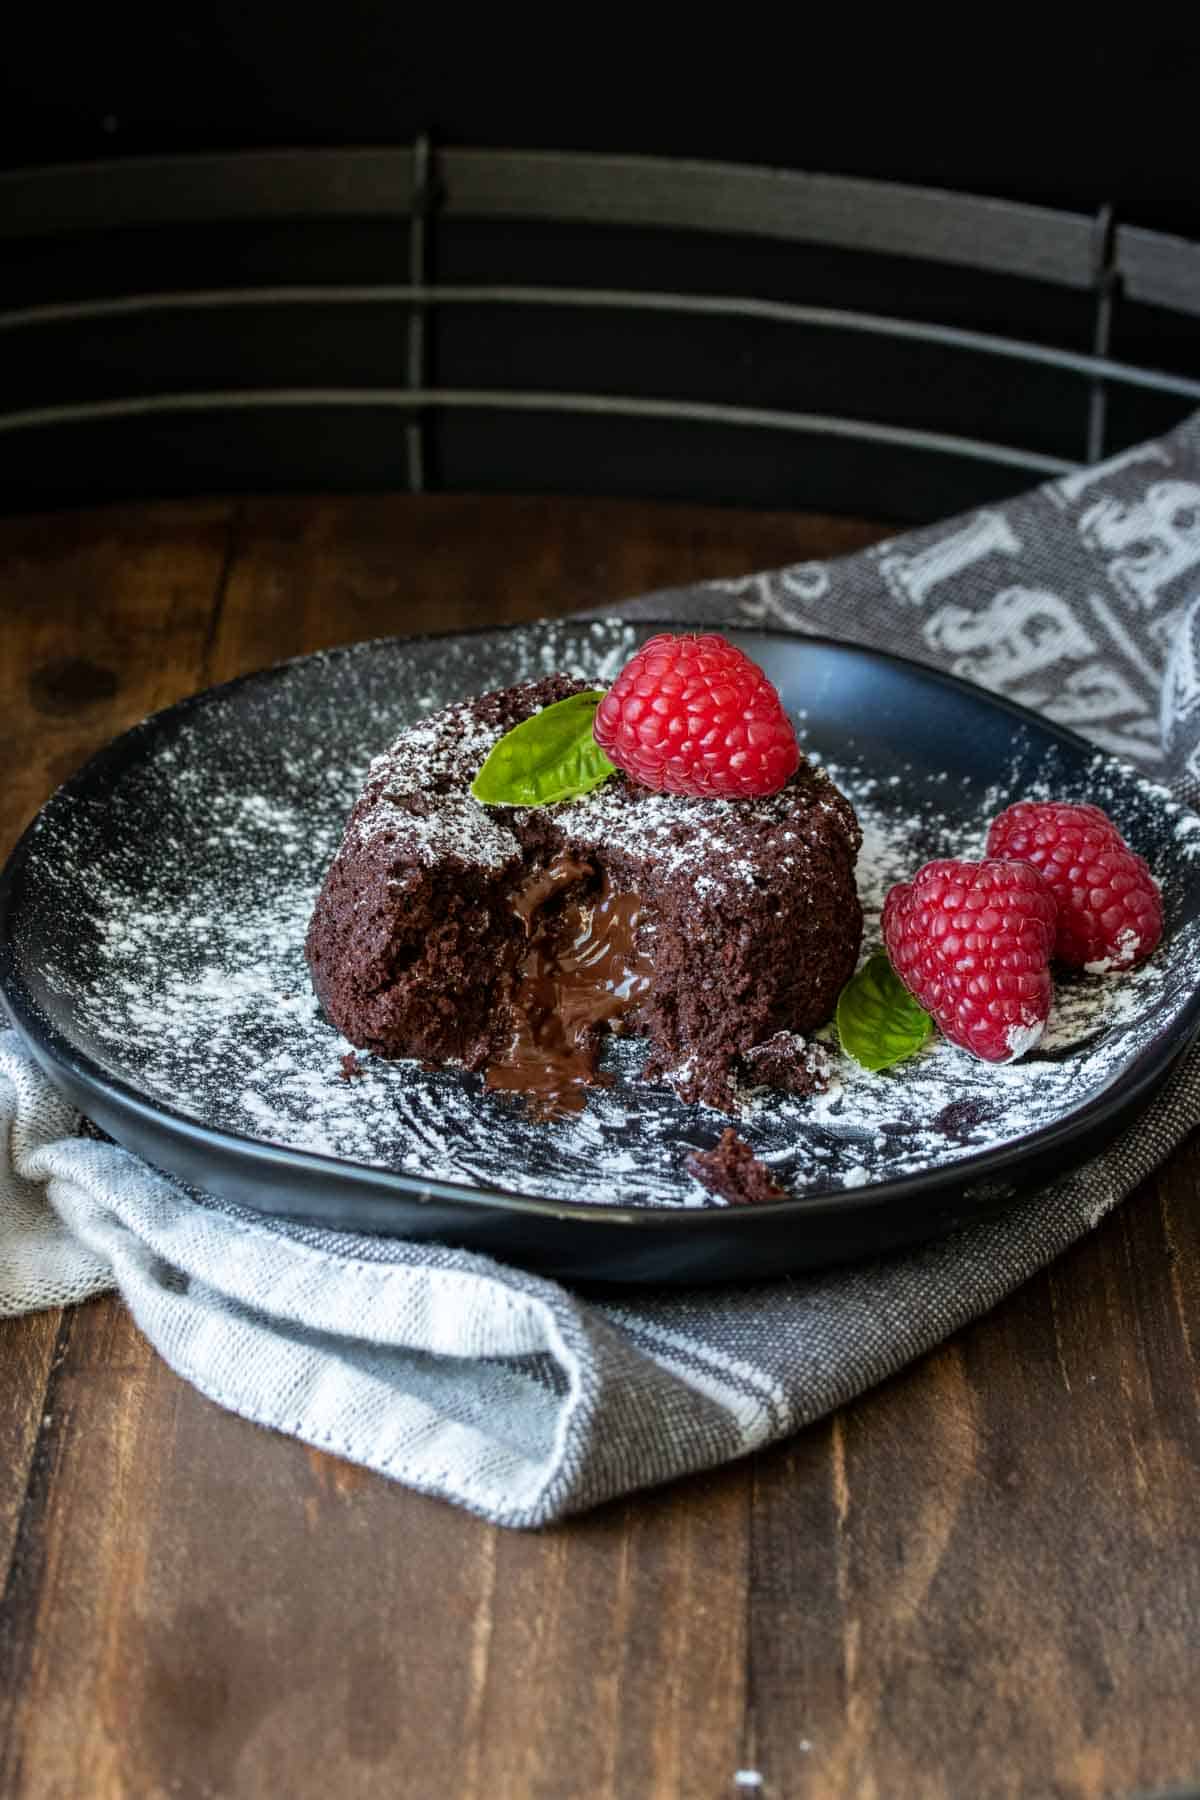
(1106, 118)
(1105, 114)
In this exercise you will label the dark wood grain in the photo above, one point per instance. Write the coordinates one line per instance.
(308, 573)
(982, 1579)
(26, 1353)
(106, 617)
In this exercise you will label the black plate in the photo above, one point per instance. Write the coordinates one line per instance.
(152, 916)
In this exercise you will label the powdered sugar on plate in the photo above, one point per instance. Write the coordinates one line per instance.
(187, 894)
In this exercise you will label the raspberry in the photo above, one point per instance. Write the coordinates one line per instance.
(971, 941)
(693, 715)
(1109, 906)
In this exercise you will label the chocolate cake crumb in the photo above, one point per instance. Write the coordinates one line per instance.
(732, 1170)
(788, 1062)
(960, 1118)
(352, 1069)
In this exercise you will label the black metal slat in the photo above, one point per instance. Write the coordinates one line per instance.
(1106, 283)
(1158, 270)
(883, 217)
(420, 208)
(175, 190)
(503, 399)
(840, 211)
(1096, 368)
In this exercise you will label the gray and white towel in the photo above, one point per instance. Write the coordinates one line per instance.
(509, 1394)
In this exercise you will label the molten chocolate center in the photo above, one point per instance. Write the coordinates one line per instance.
(581, 973)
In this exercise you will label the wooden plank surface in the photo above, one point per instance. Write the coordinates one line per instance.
(982, 1579)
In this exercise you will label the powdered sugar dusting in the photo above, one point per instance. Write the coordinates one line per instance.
(188, 896)
(671, 829)
(429, 756)
(1127, 946)
(1022, 1038)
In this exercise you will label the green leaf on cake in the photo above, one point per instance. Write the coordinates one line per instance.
(549, 757)
(878, 1020)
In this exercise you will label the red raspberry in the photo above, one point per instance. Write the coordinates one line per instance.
(693, 715)
(971, 941)
(1109, 906)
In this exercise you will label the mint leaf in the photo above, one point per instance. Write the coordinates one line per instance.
(552, 756)
(878, 1020)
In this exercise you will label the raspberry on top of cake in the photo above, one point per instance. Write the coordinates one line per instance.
(509, 939)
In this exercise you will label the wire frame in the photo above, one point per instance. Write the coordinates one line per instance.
(1099, 262)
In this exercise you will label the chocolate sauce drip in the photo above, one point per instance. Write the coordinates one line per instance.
(581, 973)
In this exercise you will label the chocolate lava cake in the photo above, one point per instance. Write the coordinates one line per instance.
(510, 939)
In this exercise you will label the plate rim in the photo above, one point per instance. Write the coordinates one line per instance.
(51, 1046)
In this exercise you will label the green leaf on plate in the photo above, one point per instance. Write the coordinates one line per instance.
(549, 757)
(878, 1020)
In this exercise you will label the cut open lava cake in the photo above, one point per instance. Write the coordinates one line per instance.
(509, 939)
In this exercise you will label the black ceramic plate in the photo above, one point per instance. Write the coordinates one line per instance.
(152, 918)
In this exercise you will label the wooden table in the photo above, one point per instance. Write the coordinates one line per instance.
(982, 1579)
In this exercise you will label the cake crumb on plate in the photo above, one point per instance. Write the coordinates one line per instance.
(732, 1170)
